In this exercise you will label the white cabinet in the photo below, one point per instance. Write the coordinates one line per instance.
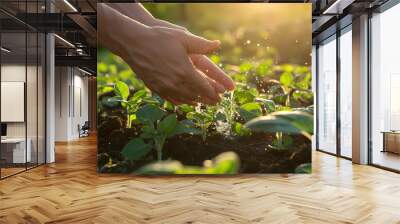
(17, 145)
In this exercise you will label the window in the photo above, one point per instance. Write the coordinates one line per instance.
(327, 95)
(346, 92)
(22, 101)
(385, 89)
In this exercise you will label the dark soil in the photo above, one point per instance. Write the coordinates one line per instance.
(254, 153)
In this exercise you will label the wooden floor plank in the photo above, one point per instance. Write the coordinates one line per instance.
(70, 191)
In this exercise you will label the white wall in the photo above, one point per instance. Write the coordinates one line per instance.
(12, 73)
(71, 94)
(61, 105)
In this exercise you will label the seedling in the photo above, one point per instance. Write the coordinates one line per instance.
(157, 127)
(295, 82)
(228, 108)
(202, 118)
(131, 104)
(281, 141)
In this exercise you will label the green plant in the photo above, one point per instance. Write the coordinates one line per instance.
(157, 127)
(240, 130)
(281, 141)
(304, 168)
(225, 163)
(129, 104)
(291, 122)
(295, 81)
(202, 118)
(226, 111)
(249, 111)
(241, 102)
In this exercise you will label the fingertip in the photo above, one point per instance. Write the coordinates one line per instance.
(214, 45)
(229, 84)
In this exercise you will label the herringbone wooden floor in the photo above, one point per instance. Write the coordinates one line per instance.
(70, 191)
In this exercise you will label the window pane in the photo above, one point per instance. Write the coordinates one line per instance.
(327, 96)
(346, 94)
(41, 98)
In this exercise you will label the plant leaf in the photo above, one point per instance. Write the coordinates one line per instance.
(186, 108)
(269, 105)
(168, 125)
(138, 95)
(249, 111)
(147, 132)
(135, 149)
(186, 127)
(122, 90)
(225, 163)
(240, 129)
(110, 101)
(286, 79)
(300, 120)
(245, 67)
(161, 167)
(293, 122)
(150, 113)
(243, 96)
(304, 168)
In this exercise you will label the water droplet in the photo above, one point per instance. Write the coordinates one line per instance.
(220, 65)
(297, 41)
(258, 44)
(306, 63)
(248, 42)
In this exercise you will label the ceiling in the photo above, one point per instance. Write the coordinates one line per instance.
(75, 21)
(72, 20)
(330, 15)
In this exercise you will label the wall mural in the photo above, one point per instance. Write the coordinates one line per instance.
(204, 88)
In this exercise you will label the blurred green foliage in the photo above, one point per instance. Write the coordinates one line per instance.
(225, 163)
(281, 32)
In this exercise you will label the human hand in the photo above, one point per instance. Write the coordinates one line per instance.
(169, 60)
(202, 62)
(161, 60)
(216, 76)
